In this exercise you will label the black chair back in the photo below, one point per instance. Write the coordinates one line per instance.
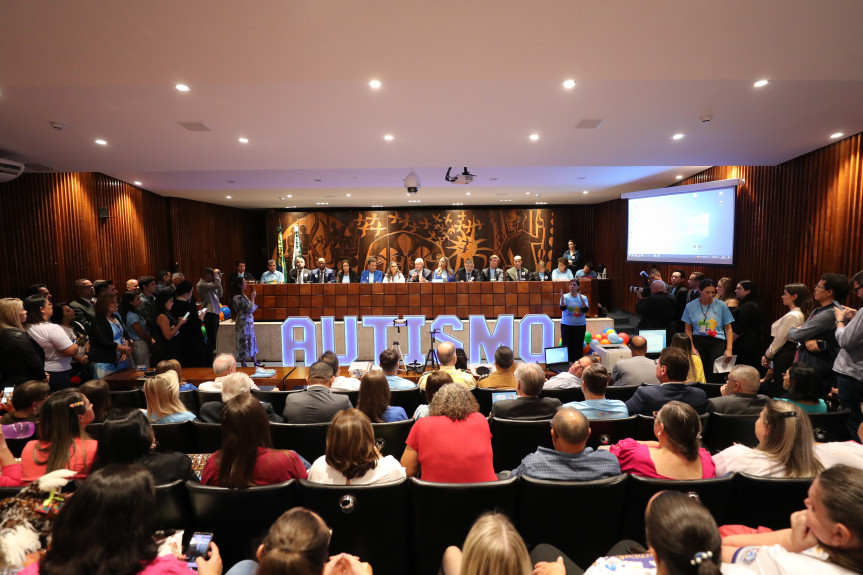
(831, 426)
(173, 508)
(133, 398)
(610, 431)
(484, 397)
(621, 392)
(513, 439)
(443, 513)
(239, 518)
(391, 437)
(725, 430)
(716, 494)
(208, 436)
(274, 398)
(307, 439)
(190, 400)
(205, 396)
(6, 492)
(547, 512)
(359, 515)
(564, 395)
(766, 501)
(353, 396)
(407, 399)
(175, 436)
(711, 389)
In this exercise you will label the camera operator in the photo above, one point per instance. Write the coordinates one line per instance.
(656, 310)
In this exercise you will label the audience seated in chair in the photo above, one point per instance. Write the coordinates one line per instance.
(492, 546)
(224, 365)
(99, 393)
(571, 378)
(595, 406)
(340, 383)
(739, 393)
(447, 358)
(232, 385)
(389, 362)
(528, 405)
(637, 369)
(570, 460)
(502, 377)
(317, 404)
(434, 381)
(27, 400)
(374, 399)
(671, 371)
(163, 399)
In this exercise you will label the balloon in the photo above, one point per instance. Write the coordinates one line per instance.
(586, 350)
(221, 316)
(613, 338)
(625, 337)
(226, 311)
(608, 329)
(587, 337)
(604, 342)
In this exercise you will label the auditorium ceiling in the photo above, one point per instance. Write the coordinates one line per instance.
(463, 83)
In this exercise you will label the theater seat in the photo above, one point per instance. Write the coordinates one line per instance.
(408, 399)
(711, 389)
(175, 436)
(239, 518)
(581, 518)
(133, 398)
(353, 396)
(274, 398)
(513, 439)
(443, 513)
(832, 426)
(484, 397)
(190, 400)
(610, 431)
(715, 494)
(307, 439)
(205, 396)
(390, 437)
(765, 501)
(369, 521)
(208, 436)
(564, 395)
(726, 430)
(621, 392)
(173, 509)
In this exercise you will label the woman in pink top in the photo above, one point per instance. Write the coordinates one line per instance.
(453, 444)
(63, 443)
(676, 454)
(107, 527)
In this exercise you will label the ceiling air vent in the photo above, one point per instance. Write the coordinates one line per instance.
(195, 126)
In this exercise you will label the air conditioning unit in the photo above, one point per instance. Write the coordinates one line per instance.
(10, 169)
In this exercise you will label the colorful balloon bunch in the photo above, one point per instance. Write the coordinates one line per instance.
(607, 337)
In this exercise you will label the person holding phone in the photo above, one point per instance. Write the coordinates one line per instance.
(244, 323)
(167, 344)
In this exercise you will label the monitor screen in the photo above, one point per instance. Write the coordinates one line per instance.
(498, 395)
(655, 339)
(556, 355)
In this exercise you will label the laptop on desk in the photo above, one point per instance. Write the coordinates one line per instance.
(557, 359)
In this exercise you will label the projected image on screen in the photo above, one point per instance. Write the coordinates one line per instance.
(690, 227)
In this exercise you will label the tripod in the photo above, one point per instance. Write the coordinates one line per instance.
(397, 323)
(431, 356)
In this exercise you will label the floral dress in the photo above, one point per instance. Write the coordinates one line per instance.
(247, 344)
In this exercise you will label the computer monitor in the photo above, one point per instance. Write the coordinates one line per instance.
(655, 339)
(554, 355)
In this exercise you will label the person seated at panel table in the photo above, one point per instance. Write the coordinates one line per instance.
(272, 275)
(504, 365)
(562, 272)
(394, 274)
(346, 275)
(468, 273)
(371, 275)
(444, 272)
(540, 275)
(517, 273)
(586, 272)
(300, 275)
(419, 273)
(493, 273)
(322, 274)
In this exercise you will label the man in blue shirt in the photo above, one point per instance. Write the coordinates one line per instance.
(587, 272)
(594, 382)
(389, 362)
(570, 460)
(372, 275)
(272, 275)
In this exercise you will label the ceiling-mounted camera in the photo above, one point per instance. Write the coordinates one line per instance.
(412, 182)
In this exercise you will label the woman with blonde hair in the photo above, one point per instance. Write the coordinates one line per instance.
(492, 547)
(785, 446)
(163, 399)
(725, 292)
(352, 457)
(21, 358)
(444, 272)
(394, 275)
(696, 368)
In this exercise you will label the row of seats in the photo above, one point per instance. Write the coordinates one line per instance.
(404, 527)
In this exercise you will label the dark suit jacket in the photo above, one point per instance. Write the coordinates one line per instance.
(650, 398)
(329, 276)
(525, 408)
(522, 275)
(84, 312)
(413, 277)
(498, 276)
(461, 275)
(21, 358)
(656, 311)
(102, 346)
(315, 405)
(737, 404)
(352, 274)
(211, 412)
(307, 276)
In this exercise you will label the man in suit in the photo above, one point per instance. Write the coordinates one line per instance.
(656, 311)
(468, 273)
(678, 294)
(419, 273)
(671, 371)
(83, 304)
(322, 274)
(694, 279)
(528, 405)
(517, 273)
(493, 273)
(317, 404)
(637, 369)
(740, 393)
(372, 275)
(300, 275)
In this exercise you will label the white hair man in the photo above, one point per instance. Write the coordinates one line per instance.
(233, 384)
(224, 365)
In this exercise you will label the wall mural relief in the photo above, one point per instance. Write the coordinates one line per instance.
(404, 235)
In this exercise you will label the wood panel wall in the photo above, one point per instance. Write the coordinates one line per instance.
(794, 222)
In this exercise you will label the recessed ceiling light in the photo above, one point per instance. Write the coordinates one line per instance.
(388, 137)
(182, 87)
(760, 83)
(322, 203)
(347, 195)
(137, 183)
(678, 177)
(584, 192)
(569, 84)
(534, 137)
(541, 203)
(227, 197)
(414, 201)
(505, 200)
(290, 207)
(375, 84)
(289, 196)
(101, 142)
(678, 136)
(377, 206)
(837, 135)
(527, 193)
(467, 193)
(243, 140)
(458, 203)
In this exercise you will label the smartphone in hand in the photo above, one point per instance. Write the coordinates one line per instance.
(199, 544)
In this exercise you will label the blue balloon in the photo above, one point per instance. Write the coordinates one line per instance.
(226, 311)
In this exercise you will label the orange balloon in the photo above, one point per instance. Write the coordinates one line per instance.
(586, 350)
(604, 341)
